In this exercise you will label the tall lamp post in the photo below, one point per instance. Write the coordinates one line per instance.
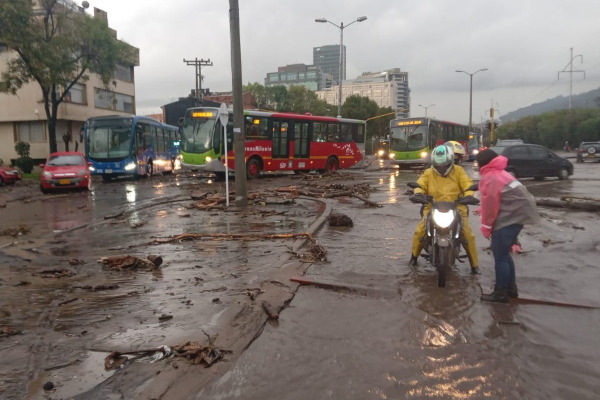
(341, 28)
(471, 94)
(426, 107)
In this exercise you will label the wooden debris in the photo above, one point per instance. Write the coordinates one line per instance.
(230, 236)
(156, 260)
(314, 253)
(574, 205)
(338, 219)
(358, 191)
(54, 273)
(197, 353)
(127, 262)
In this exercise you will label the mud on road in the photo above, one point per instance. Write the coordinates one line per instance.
(63, 310)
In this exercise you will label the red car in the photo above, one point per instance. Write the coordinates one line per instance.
(9, 175)
(65, 170)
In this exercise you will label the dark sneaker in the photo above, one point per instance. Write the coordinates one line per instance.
(413, 261)
(499, 295)
(474, 270)
(512, 290)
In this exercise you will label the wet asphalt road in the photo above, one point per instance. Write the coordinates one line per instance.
(391, 334)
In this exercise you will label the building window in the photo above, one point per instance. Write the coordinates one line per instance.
(30, 131)
(274, 77)
(292, 76)
(113, 101)
(123, 73)
(311, 75)
(75, 94)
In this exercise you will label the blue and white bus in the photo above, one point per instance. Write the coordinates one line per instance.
(130, 146)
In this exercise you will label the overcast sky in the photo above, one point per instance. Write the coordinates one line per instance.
(524, 44)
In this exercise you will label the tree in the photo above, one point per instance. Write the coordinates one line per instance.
(359, 107)
(57, 46)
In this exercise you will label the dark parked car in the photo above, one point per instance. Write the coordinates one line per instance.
(589, 151)
(534, 161)
(508, 142)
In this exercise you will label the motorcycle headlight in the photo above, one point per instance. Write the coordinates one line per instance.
(443, 219)
(381, 153)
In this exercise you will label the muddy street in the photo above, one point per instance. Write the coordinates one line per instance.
(378, 329)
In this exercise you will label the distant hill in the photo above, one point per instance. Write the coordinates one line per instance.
(583, 100)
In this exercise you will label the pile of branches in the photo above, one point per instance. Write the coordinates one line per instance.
(359, 191)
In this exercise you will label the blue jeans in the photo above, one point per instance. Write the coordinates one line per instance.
(502, 241)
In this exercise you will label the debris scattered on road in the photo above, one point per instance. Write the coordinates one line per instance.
(54, 273)
(338, 219)
(131, 262)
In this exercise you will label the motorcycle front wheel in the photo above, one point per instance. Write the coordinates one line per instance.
(443, 261)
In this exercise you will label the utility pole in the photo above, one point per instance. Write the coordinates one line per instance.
(571, 72)
(198, 64)
(239, 134)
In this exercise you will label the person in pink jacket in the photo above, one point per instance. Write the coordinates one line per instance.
(506, 206)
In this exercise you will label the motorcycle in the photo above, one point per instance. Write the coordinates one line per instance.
(443, 225)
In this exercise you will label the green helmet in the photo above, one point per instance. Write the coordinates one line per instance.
(442, 159)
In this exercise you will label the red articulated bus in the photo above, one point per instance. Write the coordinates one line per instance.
(274, 142)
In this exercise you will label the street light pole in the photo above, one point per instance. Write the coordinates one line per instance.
(426, 107)
(340, 78)
(471, 94)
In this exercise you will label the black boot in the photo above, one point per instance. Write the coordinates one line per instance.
(413, 261)
(512, 290)
(499, 295)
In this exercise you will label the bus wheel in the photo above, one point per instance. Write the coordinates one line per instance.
(253, 168)
(331, 165)
(150, 169)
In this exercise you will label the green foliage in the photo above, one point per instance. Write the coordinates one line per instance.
(25, 164)
(554, 128)
(56, 47)
(358, 107)
(22, 149)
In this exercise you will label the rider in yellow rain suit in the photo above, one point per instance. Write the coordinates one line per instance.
(445, 181)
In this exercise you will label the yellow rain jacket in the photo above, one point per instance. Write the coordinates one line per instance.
(446, 188)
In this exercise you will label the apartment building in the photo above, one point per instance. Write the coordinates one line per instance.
(22, 116)
(388, 88)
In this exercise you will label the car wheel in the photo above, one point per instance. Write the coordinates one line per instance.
(150, 169)
(591, 150)
(1, 181)
(563, 174)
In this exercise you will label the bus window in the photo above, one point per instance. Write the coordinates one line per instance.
(346, 134)
(333, 132)
(319, 132)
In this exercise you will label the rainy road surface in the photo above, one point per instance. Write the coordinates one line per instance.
(391, 333)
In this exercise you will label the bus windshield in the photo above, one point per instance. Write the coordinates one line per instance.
(109, 138)
(197, 134)
(473, 142)
(408, 138)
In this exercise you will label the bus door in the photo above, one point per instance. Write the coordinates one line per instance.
(280, 139)
(301, 142)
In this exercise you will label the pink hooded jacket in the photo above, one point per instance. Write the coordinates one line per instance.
(504, 200)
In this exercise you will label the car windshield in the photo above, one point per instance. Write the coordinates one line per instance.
(498, 149)
(65, 160)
